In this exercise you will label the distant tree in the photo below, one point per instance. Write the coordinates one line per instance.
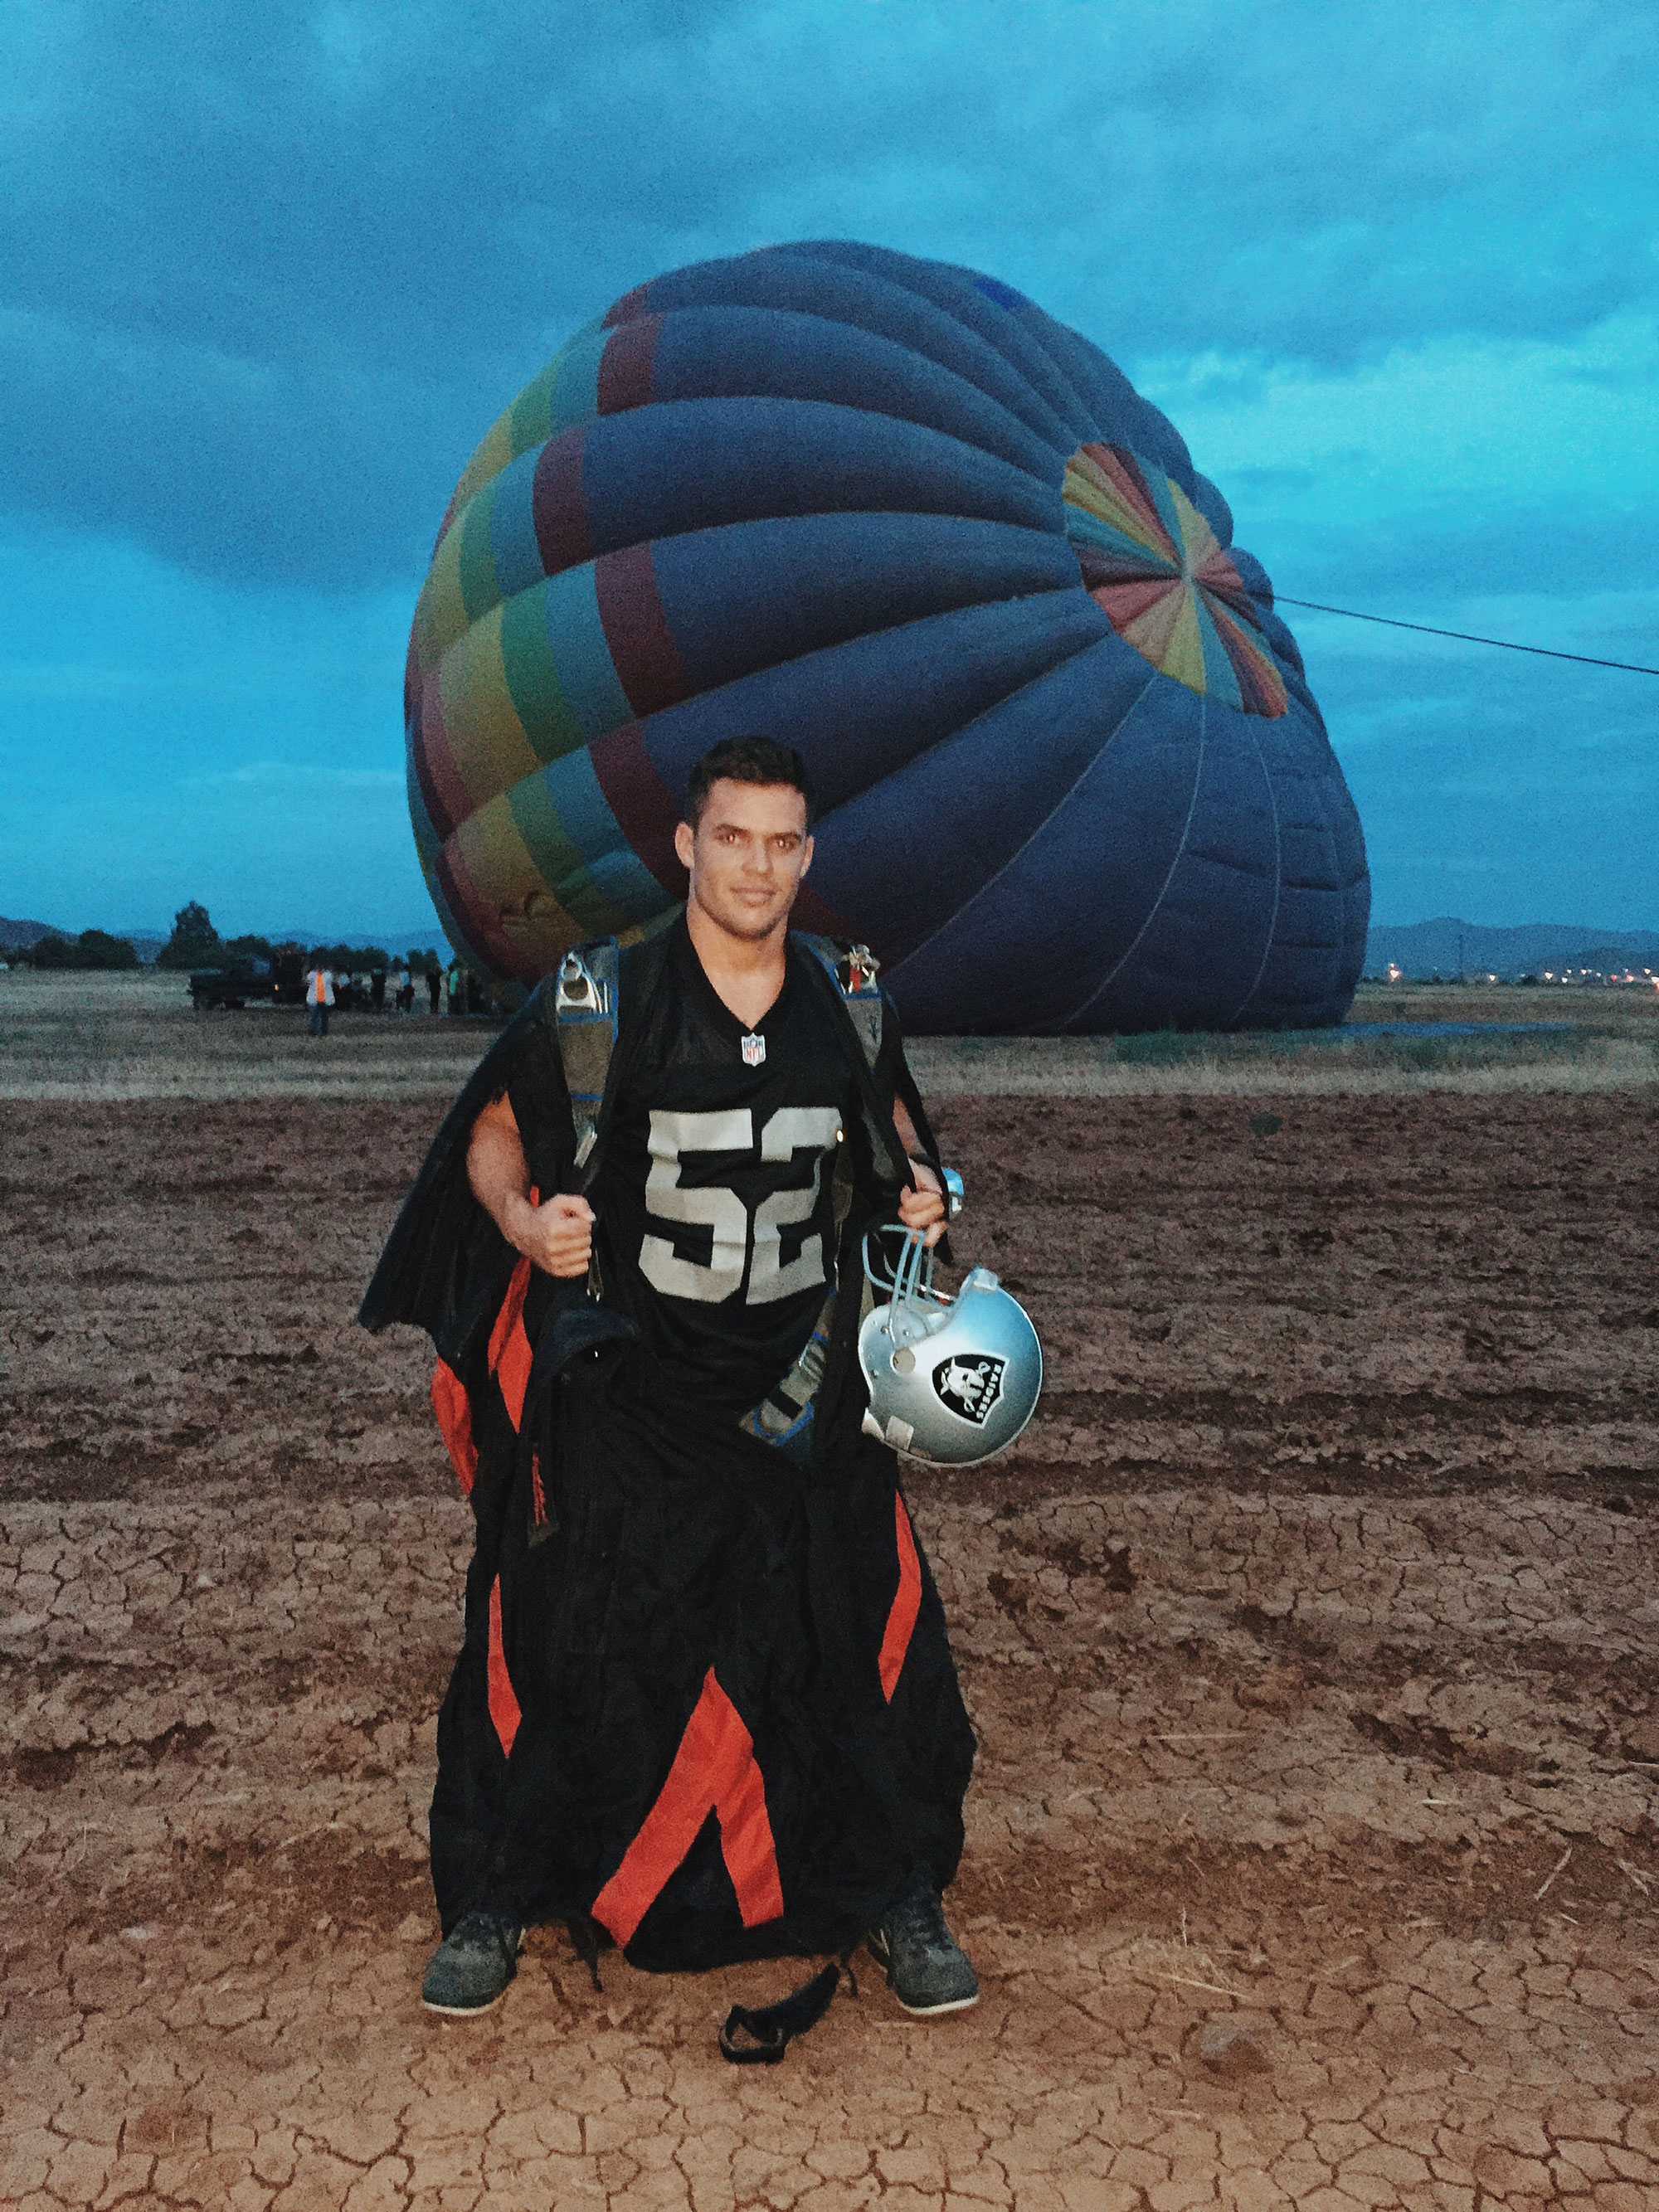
(357, 959)
(99, 949)
(93, 948)
(248, 948)
(194, 942)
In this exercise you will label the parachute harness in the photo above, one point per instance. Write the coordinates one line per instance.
(587, 1009)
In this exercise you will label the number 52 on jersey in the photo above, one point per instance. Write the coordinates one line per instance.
(792, 1129)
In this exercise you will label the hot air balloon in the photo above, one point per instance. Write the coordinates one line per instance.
(1072, 778)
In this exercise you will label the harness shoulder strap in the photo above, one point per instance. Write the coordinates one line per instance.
(853, 970)
(584, 991)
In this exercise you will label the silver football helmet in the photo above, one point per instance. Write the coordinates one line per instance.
(951, 1380)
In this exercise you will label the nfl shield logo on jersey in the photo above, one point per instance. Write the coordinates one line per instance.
(969, 1387)
(754, 1051)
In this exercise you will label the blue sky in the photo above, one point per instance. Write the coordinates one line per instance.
(267, 273)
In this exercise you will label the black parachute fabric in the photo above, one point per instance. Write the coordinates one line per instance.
(705, 1702)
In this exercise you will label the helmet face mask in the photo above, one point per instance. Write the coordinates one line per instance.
(953, 1381)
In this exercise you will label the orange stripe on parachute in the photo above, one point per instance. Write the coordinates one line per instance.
(509, 1344)
(714, 1771)
(509, 1363)
(454, 1410)
(907, 1603)
(503, 1704)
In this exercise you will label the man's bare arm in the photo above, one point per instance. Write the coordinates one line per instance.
(555, 1235)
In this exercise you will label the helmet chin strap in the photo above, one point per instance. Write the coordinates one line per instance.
(916, 1306)
(912, 1274)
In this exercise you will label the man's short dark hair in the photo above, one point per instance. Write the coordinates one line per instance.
(748, 760)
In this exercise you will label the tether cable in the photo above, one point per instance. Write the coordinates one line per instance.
(1469, 637)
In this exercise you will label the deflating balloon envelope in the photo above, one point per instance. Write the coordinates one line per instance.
(1071, 776)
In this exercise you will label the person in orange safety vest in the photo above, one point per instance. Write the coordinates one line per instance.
(319, 997)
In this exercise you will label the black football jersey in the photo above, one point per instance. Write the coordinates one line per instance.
(716, 1230)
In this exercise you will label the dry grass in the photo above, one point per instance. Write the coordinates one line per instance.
(1297, 1065)
(77, 1037)
(131, 1037)
(1628, 1007)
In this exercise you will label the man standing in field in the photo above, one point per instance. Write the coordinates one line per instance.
(705, 1708)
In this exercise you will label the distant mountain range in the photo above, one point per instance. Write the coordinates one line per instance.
(15, 933)
(1447, 946)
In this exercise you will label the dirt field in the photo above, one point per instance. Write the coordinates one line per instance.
(1312, 1636)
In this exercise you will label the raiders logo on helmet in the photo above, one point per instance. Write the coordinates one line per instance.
(969, 1387)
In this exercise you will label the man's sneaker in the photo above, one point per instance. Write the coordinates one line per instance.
(927, 1969)
(471, 1968)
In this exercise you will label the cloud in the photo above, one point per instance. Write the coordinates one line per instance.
(1473, 421)
(271, 272)
(1515, 566)
(1528, 789)
(267, 273)
(172, 737)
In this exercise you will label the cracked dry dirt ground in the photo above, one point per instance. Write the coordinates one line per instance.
(1312, 1636)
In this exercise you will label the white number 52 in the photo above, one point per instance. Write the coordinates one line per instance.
(790, 1130)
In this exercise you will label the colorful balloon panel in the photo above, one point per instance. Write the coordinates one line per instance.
(1071, 775)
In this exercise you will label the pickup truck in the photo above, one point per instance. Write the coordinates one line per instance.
(280, 981)
(230, 987)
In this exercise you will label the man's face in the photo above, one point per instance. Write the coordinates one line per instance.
(747, 855)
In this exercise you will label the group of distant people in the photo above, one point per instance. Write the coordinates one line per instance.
(325, 990)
